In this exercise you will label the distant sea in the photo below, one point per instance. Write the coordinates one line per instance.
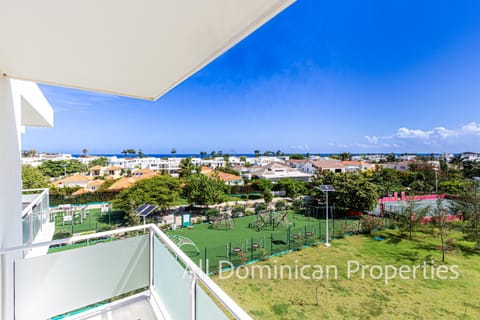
(197, 155)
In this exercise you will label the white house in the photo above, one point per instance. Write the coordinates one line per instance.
(276, 171)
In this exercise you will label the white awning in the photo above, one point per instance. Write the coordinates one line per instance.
(137, 48)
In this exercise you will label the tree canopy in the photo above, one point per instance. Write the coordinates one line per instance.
(162, 191)
(58, 168)
(204, 190)
(32, 178)
(352, 191)
(102, 161)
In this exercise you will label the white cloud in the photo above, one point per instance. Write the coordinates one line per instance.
(472, 127)
(405, 133)
(372, 139)
(445, 133)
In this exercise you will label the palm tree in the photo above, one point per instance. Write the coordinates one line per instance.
(203, 154)
(257, 153)
(187, 167)
(84, 151)
(457, 161)
(213, 154)
(278, 153)
(173, 151)
(140, 153)
(344, 156)
(124, 151)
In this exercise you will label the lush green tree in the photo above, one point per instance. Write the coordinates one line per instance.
(187, 168)
(32, 178)
(140, 153)
(262, 184)
(173, 151)
(204, 190)
(298, 204)
(468, 205)
(268, 153)
(278, 153)
(471, 169)
(391, 157)
(352, 191)
(162, 191)
(297, 156)
(84, 152)
(291, 187)
(58, 168)
(203, 154)
(267, 196)
(243, 158)
(455, 186)
(102, 161)
(257, 153)
(457, 161)
(344, 156)
(387, 180)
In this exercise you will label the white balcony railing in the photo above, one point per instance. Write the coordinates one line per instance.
(147, 261)
(35, 213)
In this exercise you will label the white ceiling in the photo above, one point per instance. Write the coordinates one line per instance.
(138, 48)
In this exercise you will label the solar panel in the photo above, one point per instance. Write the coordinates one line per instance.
(147, 210)
(327, 188)
(141, 208)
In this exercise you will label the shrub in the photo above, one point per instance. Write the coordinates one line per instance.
(369, 223)
(249, 212)
(105, 227)
(62, 235)
(237, 211)
(210, 213)
(280, 205)
(260, 207)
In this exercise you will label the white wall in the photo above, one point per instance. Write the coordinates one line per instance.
(10, 189)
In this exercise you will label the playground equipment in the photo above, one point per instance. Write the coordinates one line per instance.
(72, 213)
(181, 241)
(246, 246)
(222, 221)
(270, 220)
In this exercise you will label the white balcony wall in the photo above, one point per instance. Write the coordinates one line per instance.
(53, 284)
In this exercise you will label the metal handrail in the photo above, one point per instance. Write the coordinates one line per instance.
(196, 271)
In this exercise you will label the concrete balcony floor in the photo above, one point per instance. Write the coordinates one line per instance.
(135, 308)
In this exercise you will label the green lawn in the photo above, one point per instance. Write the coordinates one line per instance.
(220, 244)
(367, 298)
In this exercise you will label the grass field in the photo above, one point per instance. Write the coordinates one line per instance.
(214, 244)
(94, 221)
(367, 298)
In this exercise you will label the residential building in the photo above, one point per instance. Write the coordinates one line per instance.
(353, 166)
(399, 166)
(113, 172)
(327, 165)
(276, 171)
(97, 171)
(229, 179)
(76, 180)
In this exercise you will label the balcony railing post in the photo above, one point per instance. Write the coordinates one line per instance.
(193, 296)
(152, 234)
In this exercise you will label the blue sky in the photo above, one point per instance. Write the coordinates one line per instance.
(323, 76)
